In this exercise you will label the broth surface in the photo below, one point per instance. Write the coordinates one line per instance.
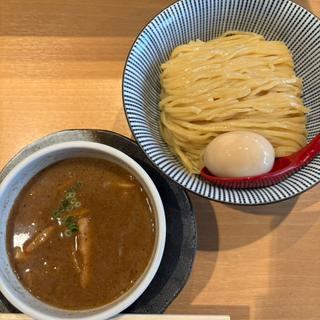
(96, 255)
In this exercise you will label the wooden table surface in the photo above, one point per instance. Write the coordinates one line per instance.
(61, 65)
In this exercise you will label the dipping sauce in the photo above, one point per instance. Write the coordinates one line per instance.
(239, 154)
(81, 233)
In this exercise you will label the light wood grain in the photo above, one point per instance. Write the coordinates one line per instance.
(61, 66)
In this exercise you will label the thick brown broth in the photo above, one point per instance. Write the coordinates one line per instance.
(104, 257)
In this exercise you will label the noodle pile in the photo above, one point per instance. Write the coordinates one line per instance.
(238, 81)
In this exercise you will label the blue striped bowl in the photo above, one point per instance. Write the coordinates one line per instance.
(206, 19)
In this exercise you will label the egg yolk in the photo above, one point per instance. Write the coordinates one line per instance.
(239, 154)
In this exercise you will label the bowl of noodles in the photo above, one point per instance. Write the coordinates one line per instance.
(202, 68)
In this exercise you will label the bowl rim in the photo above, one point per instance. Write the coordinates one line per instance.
(142, 30)
(129, 297)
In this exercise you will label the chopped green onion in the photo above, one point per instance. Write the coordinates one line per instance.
(66, 205)
(69, 208)
(68, 233)
(71, 195)
(77, 204)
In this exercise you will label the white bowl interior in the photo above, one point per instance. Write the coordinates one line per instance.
(188, 20)
(21, 175)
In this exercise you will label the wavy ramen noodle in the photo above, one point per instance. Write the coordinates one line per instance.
(238, 81)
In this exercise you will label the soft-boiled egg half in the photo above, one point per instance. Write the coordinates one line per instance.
(239, 154)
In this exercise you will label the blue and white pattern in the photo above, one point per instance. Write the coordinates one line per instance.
(206, 19)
